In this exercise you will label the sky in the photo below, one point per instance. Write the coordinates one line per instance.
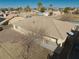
(33, 3)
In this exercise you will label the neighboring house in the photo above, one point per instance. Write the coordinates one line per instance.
(75, 11)
(46, 13)
(34, 12)
(50, 12)
(2, 14)
(14, 45)
(13, 12)
(15, 19)
(48, 24)
(57, 13)
(40, 14)
(25, 14)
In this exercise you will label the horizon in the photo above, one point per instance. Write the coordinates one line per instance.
(33, 3)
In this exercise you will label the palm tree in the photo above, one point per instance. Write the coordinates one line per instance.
(40, 5)
(41, 8)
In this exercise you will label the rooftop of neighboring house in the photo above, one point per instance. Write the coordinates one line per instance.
(11, 46)
(53, 28)
(10, 35)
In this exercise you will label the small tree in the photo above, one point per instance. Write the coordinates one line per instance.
(42, 9)
(66, 9)
(11, 9)
(28, 9)
(4, 9)
(19, 9)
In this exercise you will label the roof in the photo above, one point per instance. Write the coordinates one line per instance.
(53, 27)
(10, 35)
(11, 48)
(17, 19)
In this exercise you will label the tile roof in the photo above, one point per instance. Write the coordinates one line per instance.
(53, 27)
(10, 35)
(10, 48)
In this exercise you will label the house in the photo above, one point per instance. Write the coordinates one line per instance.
(48, 24)
(2, 15)
(46, 13)
(12, 46)
(57, 13)
(51, 12)
(74, 11)
(34, 12)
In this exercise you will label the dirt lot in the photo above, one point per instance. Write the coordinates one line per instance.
(70, 17)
